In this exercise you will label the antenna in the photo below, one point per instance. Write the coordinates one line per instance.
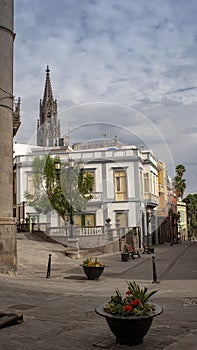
(67, 137)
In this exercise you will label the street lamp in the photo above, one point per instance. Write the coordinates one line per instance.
(118, 232)
(70, 167)
(57, 169)
(149, 217)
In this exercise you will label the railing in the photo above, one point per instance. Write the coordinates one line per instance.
(82, 237)
(151, 197)
(88, 237)
(86, 231)
(96, 196)
(58, 231)
(41, 226)
(78, 231)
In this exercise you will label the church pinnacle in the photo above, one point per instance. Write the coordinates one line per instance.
(48, 92)
(48, 126)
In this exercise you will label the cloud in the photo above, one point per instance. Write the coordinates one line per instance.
(140, 54)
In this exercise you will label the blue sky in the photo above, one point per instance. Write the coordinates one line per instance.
(127, 67)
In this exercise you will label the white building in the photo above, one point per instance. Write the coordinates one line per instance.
(125, 185)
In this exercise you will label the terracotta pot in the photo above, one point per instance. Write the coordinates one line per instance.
(129, 330)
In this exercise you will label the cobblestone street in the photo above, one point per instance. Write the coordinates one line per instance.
(59, 312)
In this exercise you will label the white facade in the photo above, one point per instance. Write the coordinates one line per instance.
(125, 184)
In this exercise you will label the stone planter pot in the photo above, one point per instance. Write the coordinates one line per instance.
(93, 272)
(124, 256)
(129, 330)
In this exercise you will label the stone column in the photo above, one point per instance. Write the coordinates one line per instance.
(8, 260)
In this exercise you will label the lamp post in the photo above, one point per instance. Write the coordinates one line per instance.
(57, 169)
(149, 217)
(189, 226)
(171, 233)
(138, 234)
(118, 232)
(70, 168)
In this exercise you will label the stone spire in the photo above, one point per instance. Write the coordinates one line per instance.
(48, 126)
(48, 92)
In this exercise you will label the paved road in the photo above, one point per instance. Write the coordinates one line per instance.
(59, 312)
(182, 266)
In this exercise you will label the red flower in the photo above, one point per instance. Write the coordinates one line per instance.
(128, 292)
(128, 308)
(135, 302)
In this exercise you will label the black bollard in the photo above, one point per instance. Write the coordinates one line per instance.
(154, 271)
(49, 267)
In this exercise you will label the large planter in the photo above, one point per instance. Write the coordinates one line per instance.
(93, 272)
(124, 256)
(129, 330)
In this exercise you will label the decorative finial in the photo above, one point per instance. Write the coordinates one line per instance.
(47, 70)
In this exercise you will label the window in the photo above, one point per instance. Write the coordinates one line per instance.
(77, 220)
(146, 183)
(92, 173)
(89, 220)
(30, 185)
(154, 184)
(84, 220)
(120, 185)
(123, 217)
(141, 185)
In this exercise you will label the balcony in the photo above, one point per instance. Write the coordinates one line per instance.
(151, 199)
(16, 117)
(96, 197)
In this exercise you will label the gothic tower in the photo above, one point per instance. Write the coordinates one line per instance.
(48, 126)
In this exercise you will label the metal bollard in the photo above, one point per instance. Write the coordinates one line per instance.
(154, 271)
(49, 267)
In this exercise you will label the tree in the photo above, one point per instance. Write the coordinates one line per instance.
(179, 182)
(53, 188)
(180, 170)
(191, 202)
(38, 198)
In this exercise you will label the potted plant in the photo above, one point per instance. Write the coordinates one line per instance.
(93, 268)
(125, 253)
(130, 317)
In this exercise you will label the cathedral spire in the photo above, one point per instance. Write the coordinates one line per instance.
(48, 126)
(48, 92)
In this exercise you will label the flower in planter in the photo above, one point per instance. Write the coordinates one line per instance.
(92, 262)
(135, 302)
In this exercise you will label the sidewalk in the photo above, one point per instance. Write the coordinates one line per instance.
(59, 311)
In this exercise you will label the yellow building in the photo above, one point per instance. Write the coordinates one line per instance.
(163, 189)
(182, 222)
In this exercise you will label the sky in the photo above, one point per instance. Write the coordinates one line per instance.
(124, 68)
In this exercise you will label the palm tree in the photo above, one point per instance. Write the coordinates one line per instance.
(180, 170)
(179, 182)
